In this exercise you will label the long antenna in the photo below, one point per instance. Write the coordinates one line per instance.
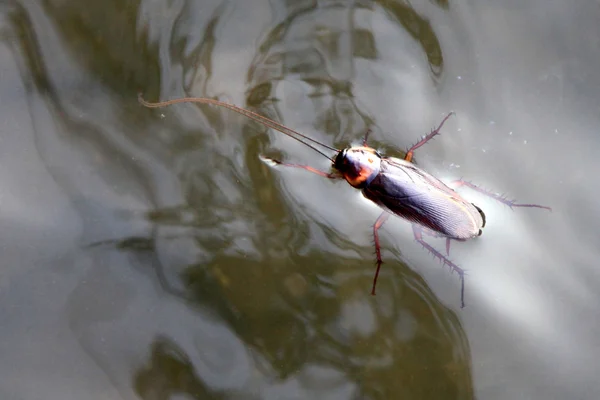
(257, 117)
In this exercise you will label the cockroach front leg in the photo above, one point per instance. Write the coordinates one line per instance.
(306, 167)
(378, 223)
(409, 154)
(417, 231)
(501, 198)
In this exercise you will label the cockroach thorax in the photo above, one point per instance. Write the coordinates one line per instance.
(358, 165)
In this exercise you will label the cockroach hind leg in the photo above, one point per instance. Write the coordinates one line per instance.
(378, 265)
(378, 223)
(417, 232)
(498, 197)
(435, 234)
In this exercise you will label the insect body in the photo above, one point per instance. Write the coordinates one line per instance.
(402, 188)
(396, 185)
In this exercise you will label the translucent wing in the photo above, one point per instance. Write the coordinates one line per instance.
(411, 193)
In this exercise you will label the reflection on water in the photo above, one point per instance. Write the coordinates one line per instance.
(169, 372)
(220, 235)
(287, 311)
(190, 269)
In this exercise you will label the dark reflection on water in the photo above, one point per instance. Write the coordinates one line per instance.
(184, 267)
(228, 240)
(169, 372)
(288, 312)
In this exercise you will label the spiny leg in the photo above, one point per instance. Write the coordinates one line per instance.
(417, 231)
(306, 167)
(434, 234)
(502, 199)
(409, 154)
(380, 220)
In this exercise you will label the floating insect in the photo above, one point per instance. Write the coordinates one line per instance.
(396, 185)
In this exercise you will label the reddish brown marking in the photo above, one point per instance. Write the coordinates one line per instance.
(357, 180)
(500, 198)
(380, 221)
(409, 154)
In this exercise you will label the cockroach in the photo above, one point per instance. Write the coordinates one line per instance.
(396, 185)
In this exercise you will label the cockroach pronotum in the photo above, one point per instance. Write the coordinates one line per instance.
(396, 185)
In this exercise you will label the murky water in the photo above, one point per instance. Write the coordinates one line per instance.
(151, 253)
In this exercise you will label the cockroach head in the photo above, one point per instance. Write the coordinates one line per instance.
(358, 165)
(340, 158)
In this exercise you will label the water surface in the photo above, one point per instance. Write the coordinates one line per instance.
(152, 254)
